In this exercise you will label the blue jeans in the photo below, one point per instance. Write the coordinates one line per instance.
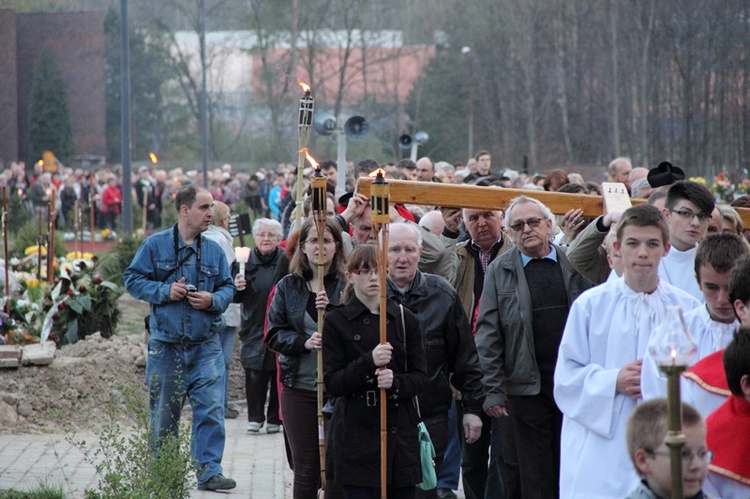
(448, 473)
(175, 371)
(227, 346)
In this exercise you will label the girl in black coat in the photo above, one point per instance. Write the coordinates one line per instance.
(355, 367)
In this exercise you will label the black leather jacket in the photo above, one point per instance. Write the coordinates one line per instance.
(289, 324)
(448, 343)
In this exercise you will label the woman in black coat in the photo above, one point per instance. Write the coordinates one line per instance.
(355, 367)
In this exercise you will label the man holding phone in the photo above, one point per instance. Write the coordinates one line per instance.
(186, 279)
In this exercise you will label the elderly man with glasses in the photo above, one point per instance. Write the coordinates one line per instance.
(525, 301)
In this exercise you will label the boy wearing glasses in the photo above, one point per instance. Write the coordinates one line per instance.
(598, 371)
(688, 211)
(646, 432)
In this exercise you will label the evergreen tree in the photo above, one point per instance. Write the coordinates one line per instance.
(49, 119)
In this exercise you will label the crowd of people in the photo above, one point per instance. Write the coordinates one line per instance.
(519, 338)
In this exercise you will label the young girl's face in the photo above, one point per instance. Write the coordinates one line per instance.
(364, 282)
(310, 247)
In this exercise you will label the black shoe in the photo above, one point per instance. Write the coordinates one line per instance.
(217, 482)
(231, 413)
(446, 494)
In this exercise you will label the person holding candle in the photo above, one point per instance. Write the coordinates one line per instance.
(292, 333)
(356, 365)
(253, 289)
(597, 376)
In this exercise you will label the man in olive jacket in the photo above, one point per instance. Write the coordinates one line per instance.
(525, 302)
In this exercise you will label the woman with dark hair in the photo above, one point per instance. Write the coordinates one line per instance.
(356, 367)
(292, 333)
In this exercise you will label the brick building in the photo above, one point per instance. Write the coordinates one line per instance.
(77, 40)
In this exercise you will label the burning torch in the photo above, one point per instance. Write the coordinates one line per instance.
(306, 104)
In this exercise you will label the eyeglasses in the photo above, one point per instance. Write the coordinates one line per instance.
(531, 222)
(365, 272)
(314, 241)
(687, 456)
(689, 215)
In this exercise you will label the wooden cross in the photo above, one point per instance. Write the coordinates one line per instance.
(494, 198)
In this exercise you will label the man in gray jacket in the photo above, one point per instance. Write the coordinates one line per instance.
(525, 301)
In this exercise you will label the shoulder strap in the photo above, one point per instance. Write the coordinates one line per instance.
(406, 362)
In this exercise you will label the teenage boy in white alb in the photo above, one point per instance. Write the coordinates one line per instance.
(688, 211)
(598, 371)
(713, 324)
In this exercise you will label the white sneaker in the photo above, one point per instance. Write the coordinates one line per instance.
(273, 428)
(254, 427)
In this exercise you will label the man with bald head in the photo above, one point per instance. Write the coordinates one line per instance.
(425, 169)
(619, 169)
(635, 174)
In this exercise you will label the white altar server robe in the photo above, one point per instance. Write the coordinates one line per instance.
(608, 327)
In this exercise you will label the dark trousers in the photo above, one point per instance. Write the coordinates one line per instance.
(481, 481)
(257, 385)
(300, 409)
(537, 424)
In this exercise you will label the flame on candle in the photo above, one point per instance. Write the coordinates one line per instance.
(154, 158)
(305, 86)
(310, 159)
(377, 172)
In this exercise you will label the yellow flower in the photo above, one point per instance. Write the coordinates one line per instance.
(32, 283)
(105, 233)
(75, 255)
(31, 250)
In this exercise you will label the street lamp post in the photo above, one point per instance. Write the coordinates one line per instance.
(466, 51)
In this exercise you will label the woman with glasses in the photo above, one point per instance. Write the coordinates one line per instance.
(356, 367)
(253, 289)
(292, 333)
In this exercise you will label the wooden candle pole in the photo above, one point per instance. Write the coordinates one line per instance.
(76, 221)
(51, 239)
(380, 218)
(92, 200)
(145, 210)
(5, 250)
(39, 247)
(319, 205)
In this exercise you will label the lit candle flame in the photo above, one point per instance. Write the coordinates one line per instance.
(375, 173)
(154, 158)
(305, 86)
(310, 159)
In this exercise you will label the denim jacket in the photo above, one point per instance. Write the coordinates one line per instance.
(177, 321)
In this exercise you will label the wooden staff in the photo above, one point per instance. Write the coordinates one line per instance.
(5, 249)
(319, 202)
(145, 209)
(76, 222)
(92, 200)
(304, 124)
(380, 218)
(39, 247)
(51, 213)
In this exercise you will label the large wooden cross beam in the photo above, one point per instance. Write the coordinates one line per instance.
(494, 198)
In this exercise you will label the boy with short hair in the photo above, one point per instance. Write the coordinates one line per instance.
(646, 432)
(598, 371)
(713, 324)
(729, 425)
(704, 384)
(688, 211)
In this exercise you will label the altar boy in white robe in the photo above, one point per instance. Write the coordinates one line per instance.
(713, 324)
(598, 371)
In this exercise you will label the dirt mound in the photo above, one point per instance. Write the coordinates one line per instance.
(72, 393)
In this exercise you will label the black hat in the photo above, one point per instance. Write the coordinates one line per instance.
(664, 174)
